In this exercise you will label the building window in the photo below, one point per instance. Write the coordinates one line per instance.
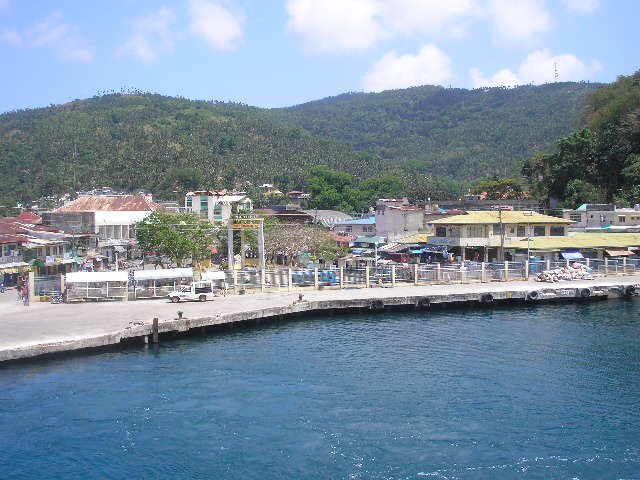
(496, 228)
(189, 202)
(556, 231)
(622, 219)
(441, 231)
(204, 203)
(475, 231)
(348, 229)
(538, 231)
(521, 231)
(576, 217)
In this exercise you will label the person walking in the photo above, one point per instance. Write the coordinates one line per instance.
(25, 295)
(19, 290)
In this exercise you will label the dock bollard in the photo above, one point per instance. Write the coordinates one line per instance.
(154, 330)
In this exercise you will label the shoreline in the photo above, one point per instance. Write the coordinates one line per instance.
(45, 329)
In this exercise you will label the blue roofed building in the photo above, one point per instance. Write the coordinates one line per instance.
(356, 227)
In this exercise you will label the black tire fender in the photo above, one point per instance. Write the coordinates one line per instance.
(585, 293)
(533, 295)
(486, 298)
(424, 302)
(630, 290)
(376, 305)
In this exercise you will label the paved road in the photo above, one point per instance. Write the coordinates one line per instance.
(44, 323)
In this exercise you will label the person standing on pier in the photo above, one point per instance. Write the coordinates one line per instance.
(25, 295)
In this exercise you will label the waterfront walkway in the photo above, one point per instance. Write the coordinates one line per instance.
(45, 328)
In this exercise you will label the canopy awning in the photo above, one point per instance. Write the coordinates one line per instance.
(571, 255)
(97, 277)
(618, 252)
(162, 273)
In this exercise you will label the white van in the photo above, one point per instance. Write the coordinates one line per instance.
(200, 291)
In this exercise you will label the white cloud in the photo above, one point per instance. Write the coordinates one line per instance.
(152, 35)
(335, 25)
(432, 17)
(539, 67)
(429, 66)
(502, 78)
(583, 7)
(221, 28)
(52, 33)
(48, 31)
(346, 26)
(519, 20)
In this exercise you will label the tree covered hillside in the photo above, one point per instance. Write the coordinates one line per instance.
(598, 163)
(165, 144)
(137, 141)
(457, 133)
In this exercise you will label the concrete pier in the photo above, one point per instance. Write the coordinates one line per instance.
(43, 328)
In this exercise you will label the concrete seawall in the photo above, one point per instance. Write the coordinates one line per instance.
(44, 329)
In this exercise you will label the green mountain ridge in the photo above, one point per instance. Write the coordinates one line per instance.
(166, 144)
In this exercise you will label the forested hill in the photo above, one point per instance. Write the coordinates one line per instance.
(459, 133)
(164, 144)
(168, 144)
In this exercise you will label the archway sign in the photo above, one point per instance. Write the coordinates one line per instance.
(242, 222)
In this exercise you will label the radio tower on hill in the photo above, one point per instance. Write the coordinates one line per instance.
(555, 71)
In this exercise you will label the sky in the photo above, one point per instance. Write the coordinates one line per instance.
(273, 53)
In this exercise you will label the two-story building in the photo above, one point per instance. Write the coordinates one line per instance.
(107, 221)
(491, 235)
(25, 244)
(216, 206)
(356, 227)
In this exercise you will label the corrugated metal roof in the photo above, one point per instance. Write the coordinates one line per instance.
(122, 203)
(580, 240)
(483, 217)
(372, 239)
(358, 221)
(416, 238)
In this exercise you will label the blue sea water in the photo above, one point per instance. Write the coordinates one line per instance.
(526, 392)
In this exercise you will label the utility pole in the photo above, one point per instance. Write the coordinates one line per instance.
(501, 234)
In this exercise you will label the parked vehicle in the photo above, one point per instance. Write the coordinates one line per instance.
(197, 291)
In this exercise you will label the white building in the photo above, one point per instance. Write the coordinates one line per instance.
(215, 206)
(396, 218)
(111, 218)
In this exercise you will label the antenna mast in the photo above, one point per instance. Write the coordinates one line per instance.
(555, 71)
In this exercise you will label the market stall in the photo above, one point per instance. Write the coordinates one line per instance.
(159, 282)
(85, 286)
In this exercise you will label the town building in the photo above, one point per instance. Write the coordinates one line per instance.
(604, 218)
(217, 206)
(26, 244)
(481, 202)
(298, 198)
(489, 235)
(356, 227)
(396, 219)
(286, 215)
(104, 225)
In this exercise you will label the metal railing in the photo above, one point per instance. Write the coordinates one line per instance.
(300, 279)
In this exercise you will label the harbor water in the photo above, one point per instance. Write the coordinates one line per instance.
(542, 391)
